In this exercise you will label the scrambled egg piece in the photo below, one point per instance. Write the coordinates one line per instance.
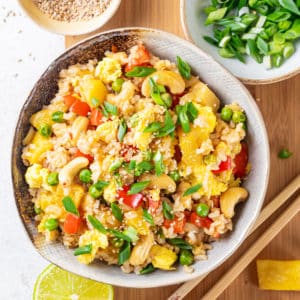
(108, 70)
(97, 239)
(143, 139)
(162, 257)
(211, 186)
(35, 176)
(107, 131)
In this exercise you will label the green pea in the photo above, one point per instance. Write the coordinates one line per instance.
(175, 175)
(202, 210)
(45, 130)
(116, 242)
(117, 85)
(37, 210)
(85, 176)
(58, 116)
(238, 117)
(226, 114)
(94, 192)
(186, 257)
(51, 224)
(52, 179)
(167, 98)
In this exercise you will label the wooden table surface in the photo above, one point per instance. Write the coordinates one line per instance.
(280, 106)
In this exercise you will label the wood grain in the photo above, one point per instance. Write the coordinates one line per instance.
(280, 106)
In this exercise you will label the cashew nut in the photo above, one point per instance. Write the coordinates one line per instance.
(68, 172)
(79, 125)
(202, 94)
(172, 80)
(162, 182)
(230, 198)
(141, 250)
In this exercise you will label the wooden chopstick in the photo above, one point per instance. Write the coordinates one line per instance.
(271, 207)
(253, 251)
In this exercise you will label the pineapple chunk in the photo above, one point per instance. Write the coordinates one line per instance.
(135, 219)
(93, 88)
(97, 239)
(162, 257)
(279, 275)
(41, 117)
(76, 192)
(109, 192)
(107, 132)
(37, 148)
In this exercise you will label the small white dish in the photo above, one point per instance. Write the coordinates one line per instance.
(193, 18)
(68, 28)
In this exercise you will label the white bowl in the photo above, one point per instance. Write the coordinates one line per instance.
(227, 87)
(192, 20)
(68, 28)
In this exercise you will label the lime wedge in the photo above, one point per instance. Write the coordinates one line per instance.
(56, 284)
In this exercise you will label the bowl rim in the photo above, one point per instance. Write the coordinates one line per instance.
(122, 282)
(188, 36)
(101, 20)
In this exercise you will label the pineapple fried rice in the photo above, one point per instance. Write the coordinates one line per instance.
(134, 162)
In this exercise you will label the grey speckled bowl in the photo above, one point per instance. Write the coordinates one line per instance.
(225, 86)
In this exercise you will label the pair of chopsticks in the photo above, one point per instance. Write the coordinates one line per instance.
(256, 248)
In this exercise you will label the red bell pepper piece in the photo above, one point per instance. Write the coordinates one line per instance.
(200, 221)
(78, 153)
(177, 224)
(241, 161)
(133, 201)
(223, 166)
(140, 57)
(96, 117)
(80, 108)
(69, 100)
(72, 223)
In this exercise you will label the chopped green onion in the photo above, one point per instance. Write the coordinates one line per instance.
(116, 165)
(69, 205)
(87, 249)
(153, 127)
(131, 233)
(122, 130)
(183, 67)
(148, 217)
(95, 102)
(119, 235)
(284, 154)
(180, 243)
(124, 253)
(116, 211)
(148, 269)
(138, 187)
(110, 108)
(167, 211)
(97, 224)
(158, 163)
(140, 71)
(186, 257)
(192, 190)
(175, 175)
